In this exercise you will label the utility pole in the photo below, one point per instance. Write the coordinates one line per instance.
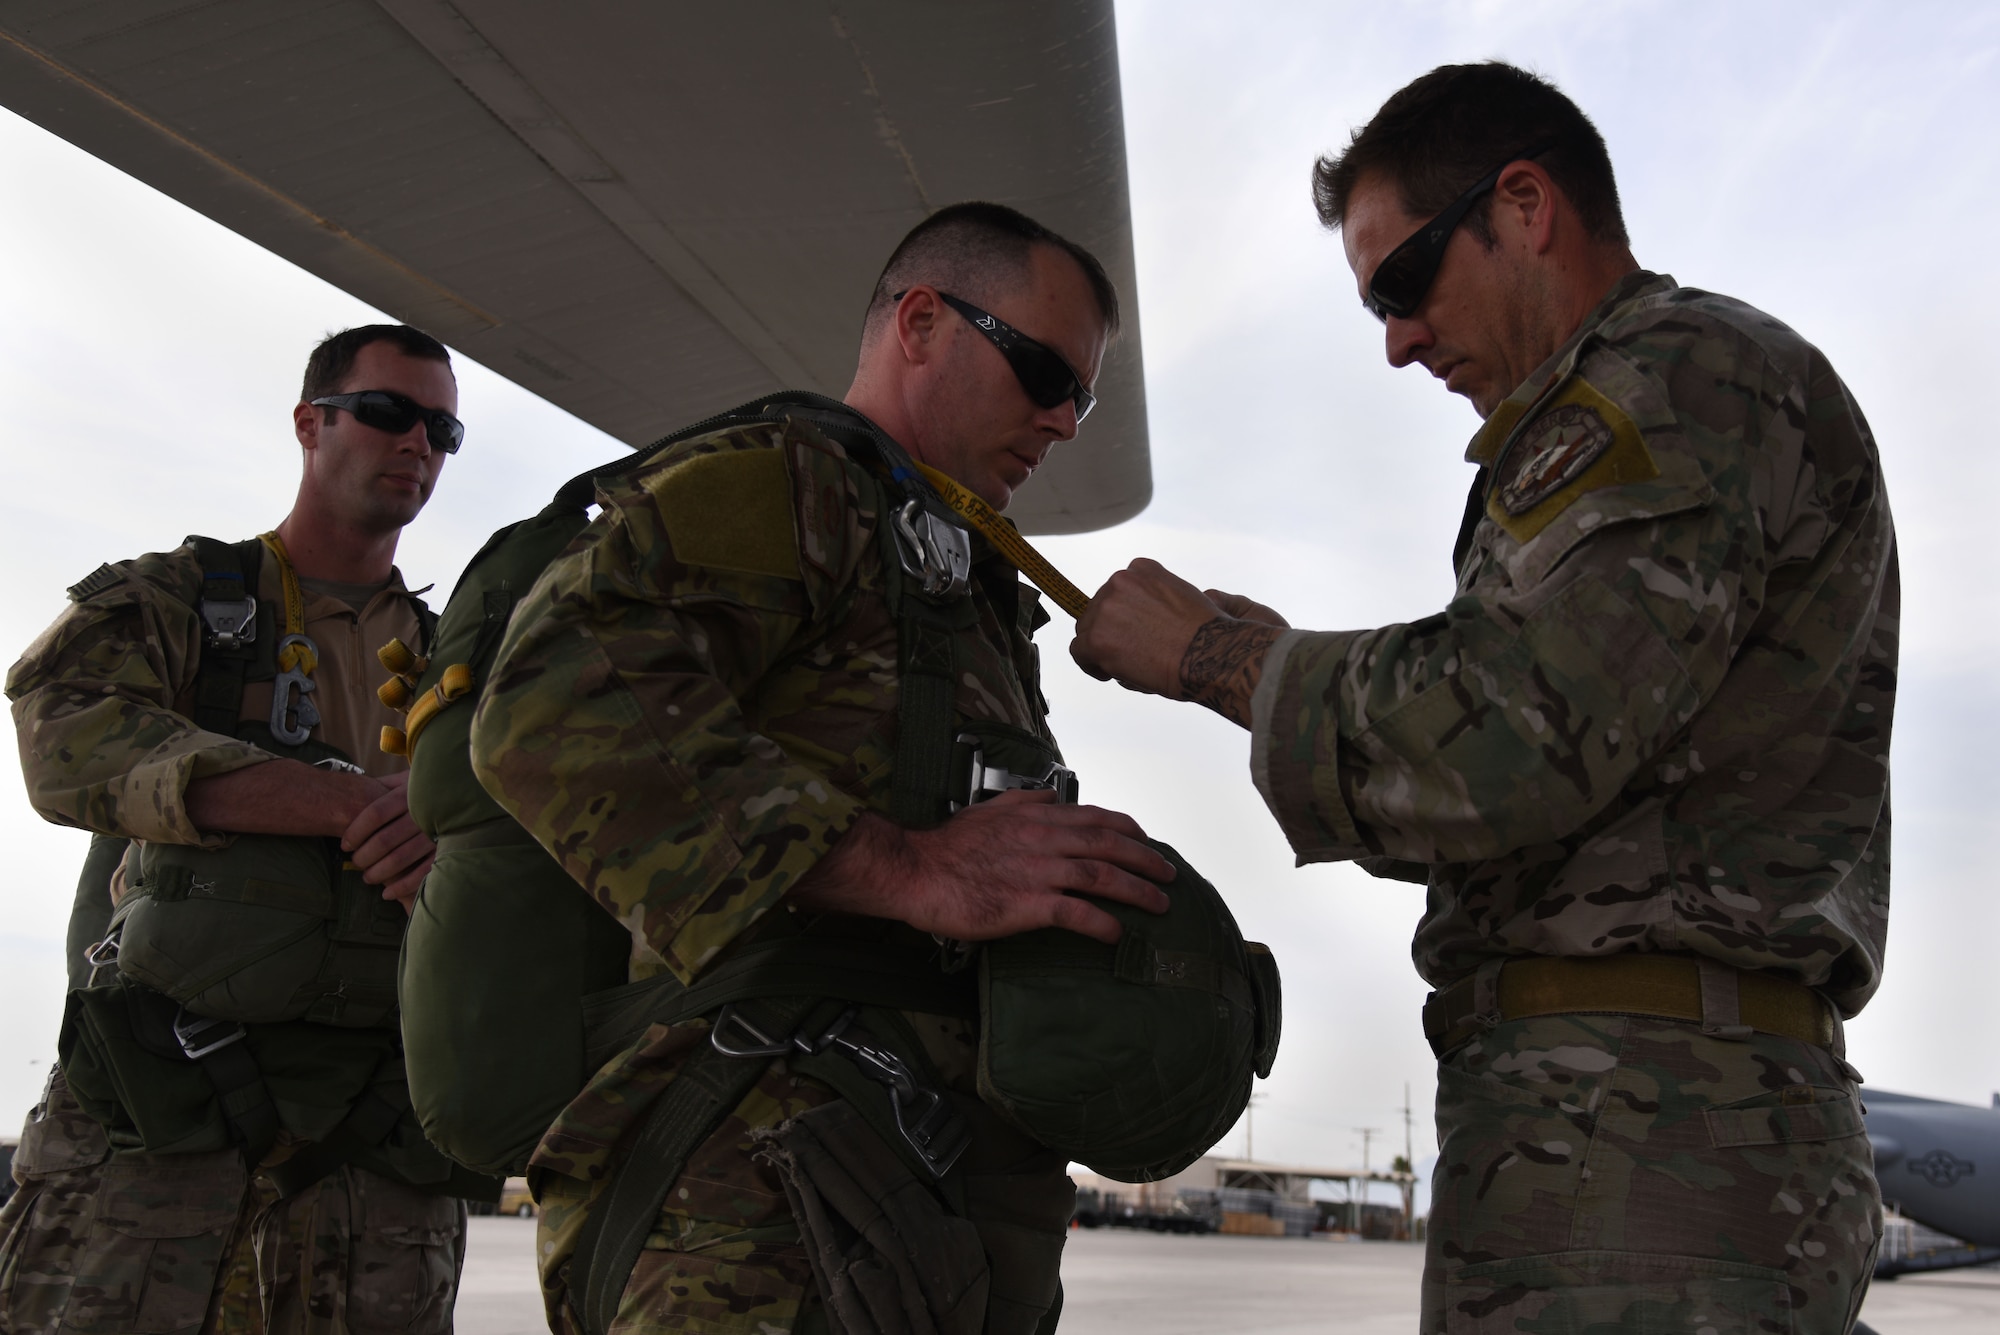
(1408, 1167)
(1407, 1155)
(1250, 1127)
(1367, 1134)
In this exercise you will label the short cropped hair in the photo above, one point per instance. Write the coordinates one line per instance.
(1437, 136)
(975, 251)
(334, 357)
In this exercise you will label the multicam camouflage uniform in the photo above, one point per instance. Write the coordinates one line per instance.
(102, 1241)
(690, 707)
(1655, 718)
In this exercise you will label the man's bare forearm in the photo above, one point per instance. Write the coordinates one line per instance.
(1223, 663)
(279, 797)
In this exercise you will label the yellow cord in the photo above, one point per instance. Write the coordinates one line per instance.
(1008, 542)
(295, 656)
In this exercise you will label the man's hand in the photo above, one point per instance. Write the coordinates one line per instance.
(385, 843)
(370, 817)
(993, 870)
(1152, 631)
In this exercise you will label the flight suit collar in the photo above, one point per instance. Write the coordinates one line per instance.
(1492, 438)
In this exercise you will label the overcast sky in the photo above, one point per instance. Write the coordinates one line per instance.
(1832, 164)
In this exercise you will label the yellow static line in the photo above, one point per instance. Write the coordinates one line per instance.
(1008, 542)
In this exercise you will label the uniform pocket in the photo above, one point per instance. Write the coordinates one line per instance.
(1571, 1293)
(404, 1274)
(155, 1244)
(66, 1137)
(1786, 1117)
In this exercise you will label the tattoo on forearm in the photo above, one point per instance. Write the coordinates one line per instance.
(1223, 662)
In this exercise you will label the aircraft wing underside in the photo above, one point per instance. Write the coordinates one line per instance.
(644, 213)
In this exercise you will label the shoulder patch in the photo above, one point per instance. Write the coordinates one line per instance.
(96, 582)
(1581, 442)
(730, 511)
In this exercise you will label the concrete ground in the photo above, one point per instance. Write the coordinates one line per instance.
(1120, 1283)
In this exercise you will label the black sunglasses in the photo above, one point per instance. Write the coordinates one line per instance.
(1044, 375)
(1401, 280)
(386, 410)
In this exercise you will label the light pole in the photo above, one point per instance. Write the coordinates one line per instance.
(1367, 1134)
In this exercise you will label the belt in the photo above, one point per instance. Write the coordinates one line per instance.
(1726, 1002)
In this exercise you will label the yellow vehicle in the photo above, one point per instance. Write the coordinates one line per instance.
(515, 1200)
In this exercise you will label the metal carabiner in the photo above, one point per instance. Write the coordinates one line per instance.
(292, 723)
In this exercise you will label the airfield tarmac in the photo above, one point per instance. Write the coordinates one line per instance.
(1122, 1283)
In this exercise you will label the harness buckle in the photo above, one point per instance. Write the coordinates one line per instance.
(231, 623)
(978, 781)
(198, 1034)
(730, 1021)
(934, 552)
(927, 1122)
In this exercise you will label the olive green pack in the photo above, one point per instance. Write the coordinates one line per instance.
(1132, 1060)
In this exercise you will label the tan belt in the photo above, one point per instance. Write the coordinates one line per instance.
(1726, 1002)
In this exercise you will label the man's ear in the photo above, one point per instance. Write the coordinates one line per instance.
(305, 424)
(915, 320)
(1525, 200)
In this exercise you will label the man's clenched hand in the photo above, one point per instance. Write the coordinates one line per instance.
(993, 870)
(1152, 631)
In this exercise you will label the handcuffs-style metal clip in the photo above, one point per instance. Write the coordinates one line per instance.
(934, 551)
(974, 781)
(231, 623)
(292, 722)
(925, 1119)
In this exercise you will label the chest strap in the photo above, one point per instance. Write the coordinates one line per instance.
(229, 616)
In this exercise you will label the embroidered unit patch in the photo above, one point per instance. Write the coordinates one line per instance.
(1580, 442)
(1561, 444)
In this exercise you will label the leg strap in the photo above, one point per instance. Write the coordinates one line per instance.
(367, 1124)
(707, 1089)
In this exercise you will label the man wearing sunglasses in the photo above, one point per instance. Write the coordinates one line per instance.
(748, 689)
(239, 1172)
(1640, 759)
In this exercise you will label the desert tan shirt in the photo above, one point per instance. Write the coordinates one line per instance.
(102, 698)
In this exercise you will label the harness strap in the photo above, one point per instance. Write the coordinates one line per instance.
(245, 1102)
(707, 1089)
(367, 1124)
(866, 974)
(229, 573)
(217, 1047)
(927, 644)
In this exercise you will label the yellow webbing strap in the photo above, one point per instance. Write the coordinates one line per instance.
(1008, 542)
(295, 656)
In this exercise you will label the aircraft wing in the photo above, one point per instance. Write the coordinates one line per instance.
(643, 212)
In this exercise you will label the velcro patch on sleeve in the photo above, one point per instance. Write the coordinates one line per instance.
(1579, 443)
(730, 511)
(96, 582)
